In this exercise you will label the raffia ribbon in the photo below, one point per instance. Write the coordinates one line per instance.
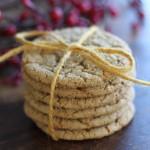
(89, 53)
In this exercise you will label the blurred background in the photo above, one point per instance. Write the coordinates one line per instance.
(129, 19)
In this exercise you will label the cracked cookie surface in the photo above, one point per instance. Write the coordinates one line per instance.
(81, 113)
(93, 133)
(77, 72)
(89, 92)
(80, 103)
(74, 124)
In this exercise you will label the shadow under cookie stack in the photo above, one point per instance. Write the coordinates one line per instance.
(89, 103)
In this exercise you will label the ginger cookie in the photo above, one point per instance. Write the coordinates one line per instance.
(93, 133)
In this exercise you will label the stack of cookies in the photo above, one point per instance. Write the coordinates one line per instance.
(89, 102)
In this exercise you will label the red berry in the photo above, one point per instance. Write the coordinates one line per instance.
(24, 15)
(95, 19)
(113, 11)
(84, 6)
(135, 27)
(10, 30)
(141, 15)
(56, 14)
(44, 23)
(43, 26)
(72, 18)
(101, 12)
(96, 14)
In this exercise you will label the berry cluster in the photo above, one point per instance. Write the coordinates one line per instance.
(59, 13)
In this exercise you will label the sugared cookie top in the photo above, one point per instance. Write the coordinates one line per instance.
(78, 72)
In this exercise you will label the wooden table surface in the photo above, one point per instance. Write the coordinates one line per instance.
(17, 132)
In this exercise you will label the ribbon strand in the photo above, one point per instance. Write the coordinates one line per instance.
(89, 53)
(11, 53)
(53, 84)
(52, 94)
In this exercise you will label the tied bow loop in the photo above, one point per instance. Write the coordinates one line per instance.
(90, 53)
(93, 54)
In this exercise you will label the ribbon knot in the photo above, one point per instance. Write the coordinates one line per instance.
(73, 46)
(90, 52)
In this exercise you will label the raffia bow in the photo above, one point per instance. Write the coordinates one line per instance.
(89, 53)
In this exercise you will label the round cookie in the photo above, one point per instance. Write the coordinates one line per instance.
(77, 72)
(81, 113)
(93, 133)
(74, 124)
(76, 104)
(74, 93)
(78, 79)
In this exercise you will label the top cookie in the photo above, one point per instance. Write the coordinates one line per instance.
(78, 72)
